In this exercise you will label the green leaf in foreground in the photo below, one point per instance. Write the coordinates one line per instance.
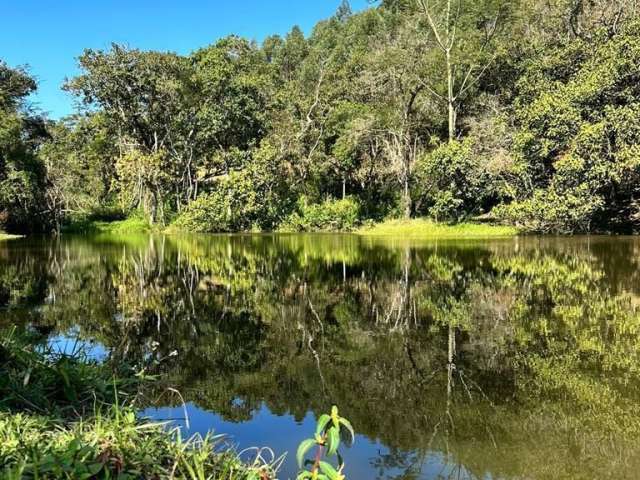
(322, 423)
(303, 448)
(333, 435)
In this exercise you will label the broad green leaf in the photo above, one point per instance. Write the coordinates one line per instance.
(330, 471)
(322, 423)
(333, 437)
(349, 428)
(303, 448)
(334, 416)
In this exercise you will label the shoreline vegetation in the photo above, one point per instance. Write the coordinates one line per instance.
(66, 416)
(424, 228)
(5, 236)
(413, 228)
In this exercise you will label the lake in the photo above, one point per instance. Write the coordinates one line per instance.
(498, 359)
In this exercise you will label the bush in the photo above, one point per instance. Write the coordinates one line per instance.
(450, 182)
(232, 207)
(253, 198)
(330, 215)
(549, 211)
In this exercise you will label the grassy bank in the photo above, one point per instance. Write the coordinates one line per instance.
(414, 228)
(417, 228)
(68, 417)
(6, 236)
(134, 224)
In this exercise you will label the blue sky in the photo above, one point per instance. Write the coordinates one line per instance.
(48, 35)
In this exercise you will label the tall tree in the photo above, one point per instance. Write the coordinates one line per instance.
(23, 202)
(464, 32)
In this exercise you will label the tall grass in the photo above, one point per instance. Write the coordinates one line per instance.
(133, 224)
(430, 229)
(65, 416)
(6, 236)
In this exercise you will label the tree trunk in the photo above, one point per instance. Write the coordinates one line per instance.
(450, 98)
(407, 197)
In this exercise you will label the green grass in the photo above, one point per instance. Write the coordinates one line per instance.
(68, 417)
(129, 225)
(6, 236)
(424, 228)
(133, 224)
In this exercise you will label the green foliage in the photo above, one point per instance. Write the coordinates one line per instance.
(62, 385)
(233, 206)
(329, 431)
(61, 418)
(578, 136)
(403, 107)
(330, 215)
(24, 206)
(80, 163)
(113, 444)
(549, 211)
(450, 182)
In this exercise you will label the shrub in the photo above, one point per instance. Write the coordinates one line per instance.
(330, 430)
(256, 197)
(232, 207)
(549, 211)
(330, 215)
(578, 131)
(450, 183)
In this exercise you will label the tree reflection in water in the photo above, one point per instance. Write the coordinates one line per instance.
(501, 359)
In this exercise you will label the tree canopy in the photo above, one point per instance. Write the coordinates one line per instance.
(519, 111)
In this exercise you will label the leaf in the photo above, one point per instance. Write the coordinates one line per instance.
(303, 448)
(130, 418)
(349, 428)
(322, 423)
(334, 416)
(330, 472)
(333, 436)
(304, 476)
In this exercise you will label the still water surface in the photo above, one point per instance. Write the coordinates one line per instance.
(499, 359)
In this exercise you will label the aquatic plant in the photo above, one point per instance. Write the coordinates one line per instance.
(330, 429)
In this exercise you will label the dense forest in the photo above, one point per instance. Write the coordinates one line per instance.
(525, 112)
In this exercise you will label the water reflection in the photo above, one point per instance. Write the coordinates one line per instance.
(505, 359)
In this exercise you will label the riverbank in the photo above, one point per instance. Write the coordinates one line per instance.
(6, 236)
(129, 225)
(424, 228)
(66, 416)
(414, 228)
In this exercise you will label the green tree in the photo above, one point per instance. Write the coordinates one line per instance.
(578, 139)
(24, 205)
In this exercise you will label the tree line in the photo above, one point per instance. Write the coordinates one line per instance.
(525, 112)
